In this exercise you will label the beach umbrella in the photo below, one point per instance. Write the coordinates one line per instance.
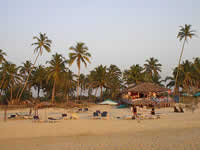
(197, 94)
(108, 102)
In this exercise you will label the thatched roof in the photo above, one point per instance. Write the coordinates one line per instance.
(147, 87)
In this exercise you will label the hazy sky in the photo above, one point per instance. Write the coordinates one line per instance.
(121, 32)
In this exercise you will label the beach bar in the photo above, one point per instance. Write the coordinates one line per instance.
(146, 93)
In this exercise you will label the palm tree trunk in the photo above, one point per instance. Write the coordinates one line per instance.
(78, 84)
(96, 92)
(2, 81)
(67, 97)
(38, 94)
(28, 76)
(101, 93)
(5, 113)
(53, 92)
(20, 85)
(11, 93)
(175, 87)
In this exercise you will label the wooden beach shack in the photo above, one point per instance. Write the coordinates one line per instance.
(144, 93)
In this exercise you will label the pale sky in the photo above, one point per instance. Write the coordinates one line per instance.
(120, 32)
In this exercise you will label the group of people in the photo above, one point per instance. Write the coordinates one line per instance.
(135, 111)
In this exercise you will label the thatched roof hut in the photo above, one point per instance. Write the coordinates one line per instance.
(147, 87)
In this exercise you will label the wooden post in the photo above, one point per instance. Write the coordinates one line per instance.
(5, 113)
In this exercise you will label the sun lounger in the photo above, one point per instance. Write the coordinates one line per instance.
(181, 109)
(104, 115)
(98, 111)
(95, 116)
(28, 117)
(12, 116)
(52, 120)
(74, 116)
(85, 109)
(175, 109)
(80, 109)
(64, 115)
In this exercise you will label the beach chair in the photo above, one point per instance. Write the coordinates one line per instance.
(80, 109)
(175, 109)
(65, 117)
(85, 109)
(181, 110)
(104, 115)
(95, 116)
(12, 117)
(74, 116)
(52, 120)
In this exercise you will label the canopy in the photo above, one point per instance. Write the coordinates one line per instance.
(108, 102)
(197, 94)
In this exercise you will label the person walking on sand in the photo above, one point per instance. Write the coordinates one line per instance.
(134, 110)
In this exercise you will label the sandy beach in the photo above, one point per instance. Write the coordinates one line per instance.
(172, 131)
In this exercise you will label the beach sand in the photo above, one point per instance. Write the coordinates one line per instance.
(174, 131)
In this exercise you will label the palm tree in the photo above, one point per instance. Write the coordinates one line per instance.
(13, 77)
(10, 77)
(42, 42)
(183, 34)
(55, 70)
(2, 58)
(80, 54)
(134, 74)
(69, 83)
(114, 80)
(38, 78)
(100, 78)
(152, 68)
(4, 71)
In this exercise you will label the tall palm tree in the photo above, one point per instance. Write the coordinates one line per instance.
(42, 42)
(55, 70)
(79, 54)
(2, 56)
(184, 34)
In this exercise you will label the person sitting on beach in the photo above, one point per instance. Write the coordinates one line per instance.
(134, 111)
(175, 109)
(153, 111)
(181, 109)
